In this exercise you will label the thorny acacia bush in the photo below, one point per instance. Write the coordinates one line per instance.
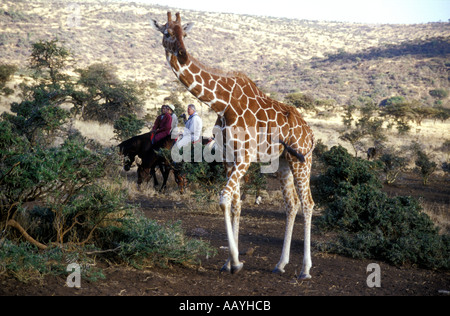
(371, 224)
(67, 194)
(60, 196)
(143, 242)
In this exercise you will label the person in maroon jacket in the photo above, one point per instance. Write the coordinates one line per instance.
(162, 126)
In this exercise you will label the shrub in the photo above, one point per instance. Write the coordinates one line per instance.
(106, 97)
(439, 93)
(64, 180)
(425, 166)
(343, 172)
(393, 165)
(300, 100)
(24, 261)
(210, 178)
(38, 117)
(369, 223)
(49, 56)
(6, 72)
(127, 126)
(393, 100)
(142, 241)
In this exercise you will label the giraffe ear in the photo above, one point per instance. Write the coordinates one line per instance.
(155, 25)
(188, 27)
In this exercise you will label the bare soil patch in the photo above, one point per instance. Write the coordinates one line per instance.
(261, 239)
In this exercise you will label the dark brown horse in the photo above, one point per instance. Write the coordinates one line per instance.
(153, 158)
(141, 146)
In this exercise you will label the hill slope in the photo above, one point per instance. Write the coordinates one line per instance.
(340, 61)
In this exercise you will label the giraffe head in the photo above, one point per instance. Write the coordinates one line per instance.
(174, 33)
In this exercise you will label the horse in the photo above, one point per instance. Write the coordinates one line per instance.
(141, 146)
(153, 158)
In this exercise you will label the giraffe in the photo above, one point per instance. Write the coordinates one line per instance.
(247, 117)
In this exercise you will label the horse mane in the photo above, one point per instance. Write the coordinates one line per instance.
(131, 142)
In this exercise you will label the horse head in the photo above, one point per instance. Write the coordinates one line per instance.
(126, 148)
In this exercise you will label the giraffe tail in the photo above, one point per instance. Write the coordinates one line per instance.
(293, 152)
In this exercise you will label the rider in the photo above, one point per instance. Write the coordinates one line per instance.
(193, 128)
(174, 117)
(162, 127)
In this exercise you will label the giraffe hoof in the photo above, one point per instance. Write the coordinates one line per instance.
(278, 270)
(225, 268)
(304, 276)
(236, 269)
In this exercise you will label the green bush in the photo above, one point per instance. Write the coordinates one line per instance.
(300, 100)
(439, 93)
(66, 194)
(369, 223)
(425, 166)
(393, 165)
(127, 126)
(24, 261)
(142, 241)
(105, 97)
(211, 178)
(39, 116)
(6, 72)
(49, 58)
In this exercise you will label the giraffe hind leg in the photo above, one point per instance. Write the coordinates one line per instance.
(301, 174)
(291, 204)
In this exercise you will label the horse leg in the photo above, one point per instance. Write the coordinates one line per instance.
(153, 174)
(165, 172)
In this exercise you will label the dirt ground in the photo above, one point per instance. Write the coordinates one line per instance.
(261, 239)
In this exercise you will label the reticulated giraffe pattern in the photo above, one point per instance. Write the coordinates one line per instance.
(255, 128)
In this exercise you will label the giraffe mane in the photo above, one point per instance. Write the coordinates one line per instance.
(217, 71)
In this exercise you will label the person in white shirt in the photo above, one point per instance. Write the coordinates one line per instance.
(193, 128)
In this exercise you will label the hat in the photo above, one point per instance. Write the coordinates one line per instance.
(172, 107)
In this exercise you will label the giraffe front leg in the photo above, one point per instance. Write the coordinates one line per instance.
(233, 264)
(231, 207)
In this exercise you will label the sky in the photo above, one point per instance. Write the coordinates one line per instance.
(361, 11)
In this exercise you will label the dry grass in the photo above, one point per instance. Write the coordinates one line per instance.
(281, 55)
(439, 214)
(102, 133)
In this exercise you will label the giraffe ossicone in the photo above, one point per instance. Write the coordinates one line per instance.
(268, 128)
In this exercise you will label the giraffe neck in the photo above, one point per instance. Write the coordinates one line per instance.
(209, 86)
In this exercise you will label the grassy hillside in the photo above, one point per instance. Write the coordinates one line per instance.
(344, 62)
(328, 60)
